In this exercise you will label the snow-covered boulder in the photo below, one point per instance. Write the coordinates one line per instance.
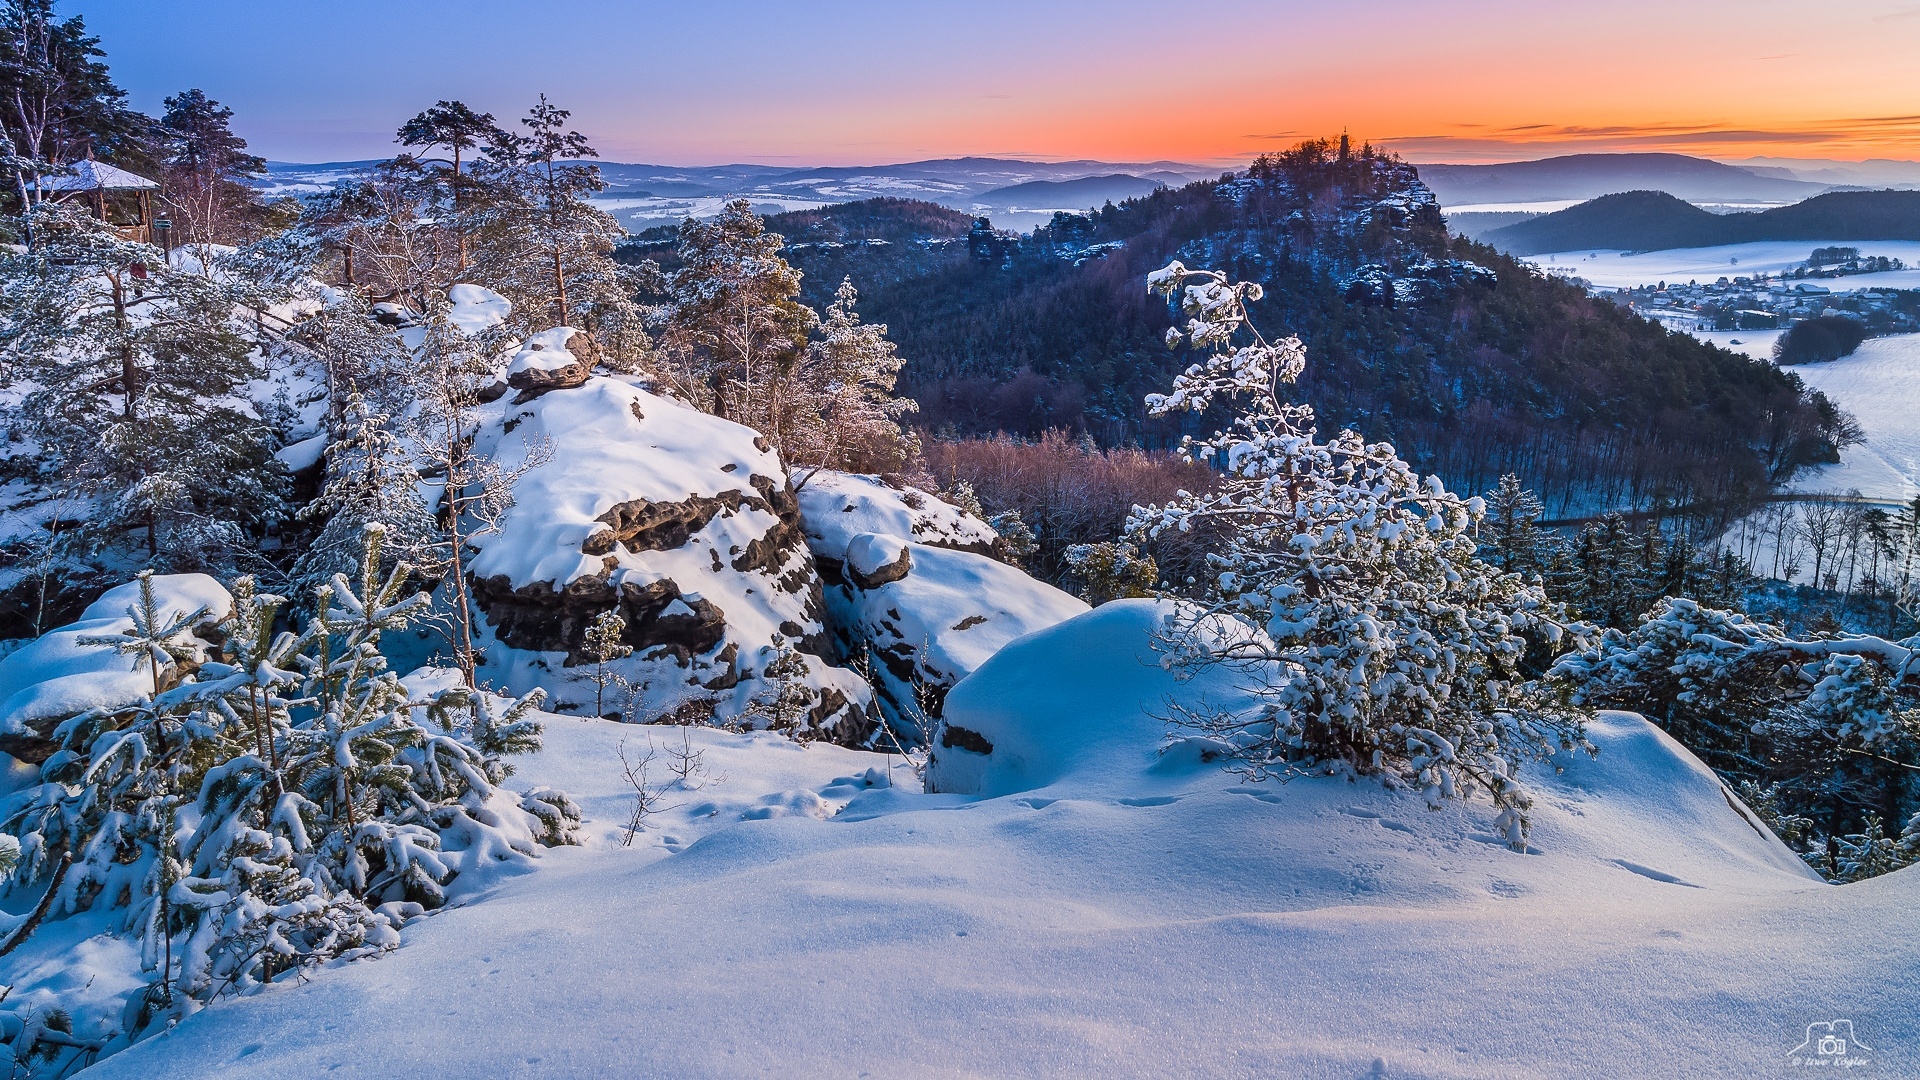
(928, 616)
(558, 359)
(56, 676)
(835, 507)
(683, 523)
(910, 586)
(1086, 695)
(876, 559)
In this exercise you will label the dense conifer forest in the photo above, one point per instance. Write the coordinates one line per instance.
(1470, 362)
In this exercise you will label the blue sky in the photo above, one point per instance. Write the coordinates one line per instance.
(852, 82)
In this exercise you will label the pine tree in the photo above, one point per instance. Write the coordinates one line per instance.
(456, 126)
(736, 331)
(1510, 537)
(327, 802)
(540, 243)
(1111, 571)
(843, 414)
(207, 169)
(600, 648)
(1828, 727)
(1377, 641)
(131, 370)
(371, 480)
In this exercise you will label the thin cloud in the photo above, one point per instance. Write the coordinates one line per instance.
(1480, 141)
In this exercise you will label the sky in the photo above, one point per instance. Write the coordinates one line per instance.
(849, 82)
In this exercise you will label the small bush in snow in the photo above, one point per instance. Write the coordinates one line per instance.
(1111, 571)
(1377, 640)
(1823, 733)
(288, 802)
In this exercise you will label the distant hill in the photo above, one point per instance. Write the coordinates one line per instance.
(1071, 194)
(1016, 193)
(1652, 220)
(1469, 364)
(1589, 176)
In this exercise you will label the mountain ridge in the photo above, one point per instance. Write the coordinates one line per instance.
(1654, 220)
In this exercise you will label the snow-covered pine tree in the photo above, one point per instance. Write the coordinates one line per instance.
(452, 369)
(359, 355)
(736, 332)
(371, 478)
(130, 370)
(536, 240)
(1378, 641)
(1111, 571)
(846, 416)
(288, 802)
(1510, 536)
(600, 648)
(1828, 728)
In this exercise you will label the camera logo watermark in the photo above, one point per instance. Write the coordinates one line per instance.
(1831, 1044)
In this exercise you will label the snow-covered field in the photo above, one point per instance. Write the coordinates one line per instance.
(1136, 914)
(1755, 343)
(1609, 269)
(1880, 385)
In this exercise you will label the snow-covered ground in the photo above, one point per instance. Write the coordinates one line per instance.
(1755, 343)
(1880, 385)
(1610, 269)
(1140, 914)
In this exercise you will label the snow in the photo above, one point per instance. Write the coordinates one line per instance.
(475, 309)
(1132, 914)
(952, 611)
(545, 351)
(869, 553)
(1612, 269)
(1538, 206)
(604, 456)
(304, 454)
(1880, 385)
(56, 676)
(1757, 344)
(1100, 715)
(835, 507)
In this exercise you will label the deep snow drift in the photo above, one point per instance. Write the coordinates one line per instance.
(1135, 913)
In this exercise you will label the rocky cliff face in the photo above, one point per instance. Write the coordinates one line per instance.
(685, 525)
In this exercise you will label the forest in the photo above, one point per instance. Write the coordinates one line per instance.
(1472, 364)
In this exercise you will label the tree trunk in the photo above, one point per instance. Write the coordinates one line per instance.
(463, 649)
(559, 288)
(459, 234)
